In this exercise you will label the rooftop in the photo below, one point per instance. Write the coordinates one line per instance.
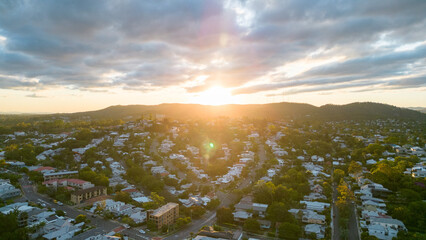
(160, 211)
(43, 169)
(59, 173)
(388, 221)
(72, 180)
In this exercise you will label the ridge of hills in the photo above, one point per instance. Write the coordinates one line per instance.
(269, 111)
(282, 110)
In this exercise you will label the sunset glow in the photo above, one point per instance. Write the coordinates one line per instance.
(87, 56)
(215, 96)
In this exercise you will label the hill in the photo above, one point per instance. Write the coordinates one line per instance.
(271, 111)
(366, 111)
(420, 109)
(284, 110)
(197, 111)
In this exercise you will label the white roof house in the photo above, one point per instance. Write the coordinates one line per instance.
(316, 206)
(315, 228)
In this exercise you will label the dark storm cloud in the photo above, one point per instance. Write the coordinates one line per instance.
(145, 45)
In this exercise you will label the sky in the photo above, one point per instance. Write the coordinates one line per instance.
(70, 56)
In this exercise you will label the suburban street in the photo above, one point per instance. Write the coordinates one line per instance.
(352, 229)
(101, 225)
(336, 227)
(353, 224)
(208, 219)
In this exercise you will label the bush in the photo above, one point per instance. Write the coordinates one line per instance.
(60, 213)
(217, 228)
(81, 218)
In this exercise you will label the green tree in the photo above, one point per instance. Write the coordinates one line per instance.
(9, 228)
(151, 225)
(156, 202)
(36, 177)
(251, 225)
(123, 197)
(26, 153)
(282, 193)
(355, 168)
(278, 212)
(224, 215)
(98, 179)
(214, 203)
(197, 211)
(183, 221)
(264, 192)
(338, 174)
(289, 231)
(375, 148)
(128, 220)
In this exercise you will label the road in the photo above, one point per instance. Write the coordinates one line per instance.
(102, 226)
(225, 198)
(336, 227)
(252, 175)
(353, 224)
(352, 228)
(194, 227)
(228, 198)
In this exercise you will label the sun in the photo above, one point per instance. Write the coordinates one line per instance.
(215, 96)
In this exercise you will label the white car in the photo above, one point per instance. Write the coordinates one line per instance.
(60, 203)
(141, 231)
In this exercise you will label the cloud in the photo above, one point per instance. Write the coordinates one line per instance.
(361, 86)
(7, 82)
(33, 95)
(145, 45)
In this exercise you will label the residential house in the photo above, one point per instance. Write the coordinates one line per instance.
(7, 190)
(316, 206)
(317, 229)
(246, 205)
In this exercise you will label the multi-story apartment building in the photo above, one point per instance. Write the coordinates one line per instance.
(78, 196)
(165, 215)
(74, 183)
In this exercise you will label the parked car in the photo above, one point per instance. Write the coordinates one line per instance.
(60, 203)
(141, 231)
